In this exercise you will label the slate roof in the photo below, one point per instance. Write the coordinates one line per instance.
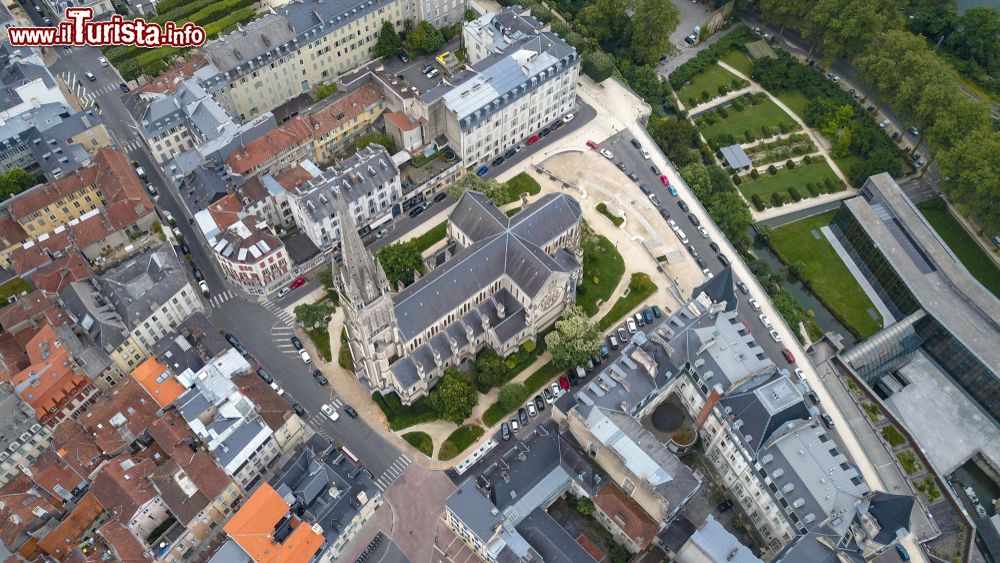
(735, 157)
(892, 512)
(765, 409)
(719, 545)
(474, 509)
(551, 540)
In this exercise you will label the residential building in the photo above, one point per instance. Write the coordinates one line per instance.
(250, 254)
(26, 509)
(120, 419)
(266, 529)
(304, 44)
(522, 77)
(334, 498)
(27, 82)
(109, 182)
(289, 430)
(711, 543)
(128, 308)
(123, 489)
(53, 386)
(508, 279)
(52, 139)
(28, 438)
(228, 423)
(175, 121)
(624, 518)
(367, 182)
(60, 539)
(94, 362)
(77, 448)
(158, 382)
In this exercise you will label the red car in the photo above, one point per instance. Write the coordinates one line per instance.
(665, 181)
(788, 356)
(593, 145)
(299, 282)
(563, 382)
(532, 140)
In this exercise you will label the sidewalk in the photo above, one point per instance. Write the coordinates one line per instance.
(807, 203)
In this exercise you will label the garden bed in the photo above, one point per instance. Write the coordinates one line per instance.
(603, 268)
(459, 440)
(817, 172)
(708, 82)
(401, 416)
(640, 288)
(420, 440)
(759, 118)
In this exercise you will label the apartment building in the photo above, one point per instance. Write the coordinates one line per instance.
(51, 139)
(266, 529)
(175, 121)
(28, 438)
(27, 82)
(127, 309)
(366, 183)
(122, 488)
(522, 77)
(288, 428)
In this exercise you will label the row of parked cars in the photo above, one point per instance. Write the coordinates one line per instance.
(527, 142)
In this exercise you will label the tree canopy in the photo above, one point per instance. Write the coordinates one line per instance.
(489, 187)
(425, 38)
(312, 315)
(574, 339)
(400, 262)
(453, 398)
(389, 43)
(15, 181)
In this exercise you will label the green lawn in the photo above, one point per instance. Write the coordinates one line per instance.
(401, 416)
(708, 81)
(521, 184)
(16, 286)
(420, 440)
(750, 119)
(431, 237)
(825, 274)
(738, 60)
(816, 172)
(458, 440)
(321, 338)
(603, 268)
(970, 253)
(795, 100)
(640, 287)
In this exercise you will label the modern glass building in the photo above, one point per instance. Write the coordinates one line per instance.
(939, 306)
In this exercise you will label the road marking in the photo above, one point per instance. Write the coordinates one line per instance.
(337, 403)
(389, 476)
(221, 298)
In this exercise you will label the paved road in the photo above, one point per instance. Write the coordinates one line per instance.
(582, 115)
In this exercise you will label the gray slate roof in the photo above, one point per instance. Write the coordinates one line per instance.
(474, 509)
(140, 286)
(720, 545)
(735, 157)
(765, 409)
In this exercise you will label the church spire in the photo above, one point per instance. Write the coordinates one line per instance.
(361, 276)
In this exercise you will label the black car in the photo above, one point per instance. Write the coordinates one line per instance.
(635, 143)
(633, 176)
(497, 161)
(123, 86)
(440, 197)
(265, 376)
(236, 344)
(296, 343)
(724, 260)
(694, 219)
(813, 397)
(682, 205)
(557, 125)
(654, 169)
(572, 377)
(505, 431)
(416, 211)
(871, 109)
(544, 131)
(539, 403)
(743, 287)
(622, 166)
(197, 274)
(701, 262)
(404, 58)
(724, 505)
(522, 416)
(827, 420)
(185, 250)
(350, 411)
(298, 409)
(693, 250)
(510, 153)
(895, 135)
(665, 213)
(320, 378)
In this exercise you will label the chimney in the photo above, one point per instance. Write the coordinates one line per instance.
(713, 397)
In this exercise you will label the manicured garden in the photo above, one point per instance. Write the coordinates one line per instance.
(435, 235)
(603, 268)
(817, 173)
(971, 254)
(738, 60)
(401, 416)
(459, 440)
(640, 287)
(708, 82)
(521, 184)
(421, 441)
(16, 286)
(820, 268)
(795, 100)
(758, 118)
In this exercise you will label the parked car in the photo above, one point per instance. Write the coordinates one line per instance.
(692, 251)
(505, 431)
(607, 154)
(724, 505)
(775, 336)
(404, 58)
(622, 335)
(765, 320)
(633, 176)
(655, 170)
(724, 260)
(672, 191)
(152, 190)
(522, 416)
(203, 286)
(264, 375)
(532, 140)
(416, 211)
(665, 181)
(622, 166)
(296, 343)
(510, 153)
(544, 132)
(298, 409)
(656, 312)
(102, 61)
(563, 382)
(304, 356)
(827, 420)
(330, 412)
(788, 356)
(683, 205)
(635, 143)
(742, 287)
(645, 153)
(514, 426)
(703, 231)
(350, 411)
(613, 342)
(532, 411)
(440, 197)
(694, 219)
(664, 213)
(754, 304)
(714, 246)
(320, 378)
(567, 118)
(277, 388)
(800, 374)
(482, 171)
(656, 200)
(812, 396)
(381, 233)
(539, 402)
(632, 327)
(123, 87)
(604, 351)
(648, 315)
(547, 395)
(593, 145)
(497, 161)
(236, 344)
(297, 283)
(185, 251)
(90, 76)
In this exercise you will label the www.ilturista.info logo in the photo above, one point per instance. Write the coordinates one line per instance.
(79, 29)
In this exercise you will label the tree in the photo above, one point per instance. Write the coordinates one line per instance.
(400, 262)
(312, 315)
(15, 181)
(511, 396)
(470, 15)
(453, 398)
(377, 138)
(389, 44)
(598, 65)
(677, 139)
(975, 175)
(425, 38)
(606, 20)
(324, 91)
(649, 29)
(697, 178)
(491, 369)
(574, 339)
(845, 27)
(979, 37)
(619, 554)
(785, 12)
(492, 189)
(584, 506)
(764, 232)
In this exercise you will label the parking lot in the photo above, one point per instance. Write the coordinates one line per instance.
(412, 70)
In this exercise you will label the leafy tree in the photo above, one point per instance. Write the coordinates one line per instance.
(324, 91)
(605, 19)
(400, 262)
(378, 138)
(764, 232)
(584, 506)
(649, 29)
(453, 398)
(975, 175)
(389, 44)
(491, 369)
(492, 189)
(574, 339)
(697, 178)
(845, 27)
(785, 13)
(15, 181)
(312, 315)
(425, 38)
(511, 396)
(470, 15)
(676, 138)
(979, 37)
(619, 554)
(598, 65)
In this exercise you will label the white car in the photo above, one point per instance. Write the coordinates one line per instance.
(283, 292)
(568, 117)
(381, 233)
(765, 321)
(514, 426)
(884, 124)
(801, 374)
(774, 334)
(754, 304)
(556, 391)
(607, 154)
(277, 389)
(708, 273)
(645, 153)
(103, 61)
(673, 225)
(703, 231)
(531, 409)
(168, 217)
(632, 327)
(682, 236)
(204, 288)
(305, 357)
(330, 412)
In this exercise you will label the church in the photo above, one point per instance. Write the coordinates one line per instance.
(508, 279)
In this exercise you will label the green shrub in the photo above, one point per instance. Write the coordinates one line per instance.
(893, 436)
(758, 202)
(777, 199)
(789, 164)
(705, 96)
(736, 83)
(813, 190)
(602, 208)
(754, 174)
(737, 180)
(772, 170)
(723, 90)
(723, 113)
(793, 194)
(420, 440)
(806, 159)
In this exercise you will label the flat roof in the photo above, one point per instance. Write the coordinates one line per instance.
(936, 277)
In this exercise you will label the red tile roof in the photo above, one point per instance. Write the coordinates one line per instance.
(226, 211)
(590, 547)
(33, 306)
(403, 121)
(342, 110)
(39, 251)
(171, 434)
(13, 358)
(170, 79)
(51, 380)
(57, 275)
(63, 538)
(286, 137)
(20, 504)
(93, 229)
(123, 415)
(11, 232)
(158, 382)
(293, 177)
(125, 545)
(76, 446)
(627, 514)
(51, 472)
(122, 486)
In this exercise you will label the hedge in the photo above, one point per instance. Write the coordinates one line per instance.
(758, 203)
(401, 416)
(602, 208)
(793, 194)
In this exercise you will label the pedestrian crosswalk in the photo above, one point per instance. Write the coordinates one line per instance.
(220, 298)
(389, 476)
(283, 315)
(132, 145)
(85, 90)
